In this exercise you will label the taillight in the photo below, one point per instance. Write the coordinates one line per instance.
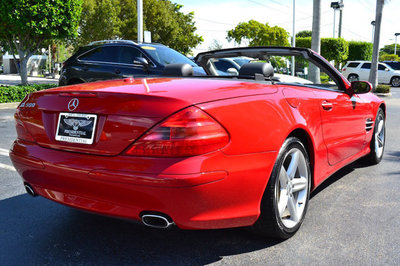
(186, 133)
(344, 69)
(22, 133)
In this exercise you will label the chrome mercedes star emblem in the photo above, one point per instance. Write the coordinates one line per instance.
(73, 104)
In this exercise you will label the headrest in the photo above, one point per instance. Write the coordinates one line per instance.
(178, 70)
(251, 69)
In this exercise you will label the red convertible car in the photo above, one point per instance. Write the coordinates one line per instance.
(237, 150)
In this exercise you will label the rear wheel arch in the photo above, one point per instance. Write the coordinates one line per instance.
(305, 138)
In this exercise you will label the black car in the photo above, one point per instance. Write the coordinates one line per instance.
(393, 64)
(113, 59)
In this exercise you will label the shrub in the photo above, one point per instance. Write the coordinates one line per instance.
(382, 88)
(9, 94)
(389, 57)
(360, 51)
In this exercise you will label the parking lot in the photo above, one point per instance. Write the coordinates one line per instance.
(352, 220)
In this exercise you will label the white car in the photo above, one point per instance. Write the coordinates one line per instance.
(359, 70)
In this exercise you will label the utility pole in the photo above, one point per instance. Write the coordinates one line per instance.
(314, 71)
(294, 36)
(340, 18)
(140, 21)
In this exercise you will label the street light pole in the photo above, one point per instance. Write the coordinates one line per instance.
(373, 30)
(140, 21)
(336, 6)
(340, 19)
(395, 42)
(294, 35)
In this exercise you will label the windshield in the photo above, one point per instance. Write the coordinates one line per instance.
(164, 55)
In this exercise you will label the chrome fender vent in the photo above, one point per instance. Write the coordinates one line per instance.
(369, 124)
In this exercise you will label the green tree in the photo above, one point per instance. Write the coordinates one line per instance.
(304, 33)
(389, 57)
(25, 24)
(389, 49)
(110, 19)
(100, 20)
(258, 34)
(336, 49)
(360, 51)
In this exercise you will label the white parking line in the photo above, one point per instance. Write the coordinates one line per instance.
(7, 167)
(4, 152)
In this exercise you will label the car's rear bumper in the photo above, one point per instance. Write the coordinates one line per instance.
(201, 192)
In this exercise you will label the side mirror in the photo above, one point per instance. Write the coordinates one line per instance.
(141, 61)
(387, 69)
(360, 87)
(232, 71)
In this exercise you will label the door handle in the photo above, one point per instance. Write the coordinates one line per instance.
(327, 105)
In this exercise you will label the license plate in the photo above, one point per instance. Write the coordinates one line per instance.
(76, 128)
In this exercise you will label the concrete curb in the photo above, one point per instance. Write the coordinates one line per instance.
(383, 94)
(8, 105)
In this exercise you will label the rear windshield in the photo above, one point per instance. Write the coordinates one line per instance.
(164, 55)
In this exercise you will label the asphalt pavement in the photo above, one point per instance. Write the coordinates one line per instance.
(353, 219)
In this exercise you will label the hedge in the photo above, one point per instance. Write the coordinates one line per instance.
(360, 51)
(9, 94)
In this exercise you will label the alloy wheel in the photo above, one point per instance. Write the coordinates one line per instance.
(292, 188)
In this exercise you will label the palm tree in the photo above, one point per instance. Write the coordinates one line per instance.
(373, 74)
(314, 72)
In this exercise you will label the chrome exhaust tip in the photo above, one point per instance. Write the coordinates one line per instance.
(29, 189)
(157, 221)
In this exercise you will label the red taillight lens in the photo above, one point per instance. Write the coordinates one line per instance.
(344, 69)
(186, 133)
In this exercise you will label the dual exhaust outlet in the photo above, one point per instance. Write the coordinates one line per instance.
(29, 189)
(160, 220)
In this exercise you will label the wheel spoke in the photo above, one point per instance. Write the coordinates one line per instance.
(299, 184)
(380, 141)
(380, 126)
(283, 201)
(294, 162)
(283, 177)
(292, 208)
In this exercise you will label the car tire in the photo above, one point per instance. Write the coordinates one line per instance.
(377, 144)
(353, 77)
(395, 81)
(285, 200)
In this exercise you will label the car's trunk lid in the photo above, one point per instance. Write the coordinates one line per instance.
(121, 111)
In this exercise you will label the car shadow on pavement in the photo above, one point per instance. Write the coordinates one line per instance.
(38, 231)
(338, 175)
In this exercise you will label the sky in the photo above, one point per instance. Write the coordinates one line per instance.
(215, 17)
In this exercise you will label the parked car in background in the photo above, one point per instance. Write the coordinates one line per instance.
(230, 66)
(206, 152)
(115, 59)
(393, 64)
(359, 70)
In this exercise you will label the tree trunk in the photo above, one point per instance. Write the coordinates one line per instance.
(373, 74)
(23, 70)
(314, 72)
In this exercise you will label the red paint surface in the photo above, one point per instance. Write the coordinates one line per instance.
(219, 189)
